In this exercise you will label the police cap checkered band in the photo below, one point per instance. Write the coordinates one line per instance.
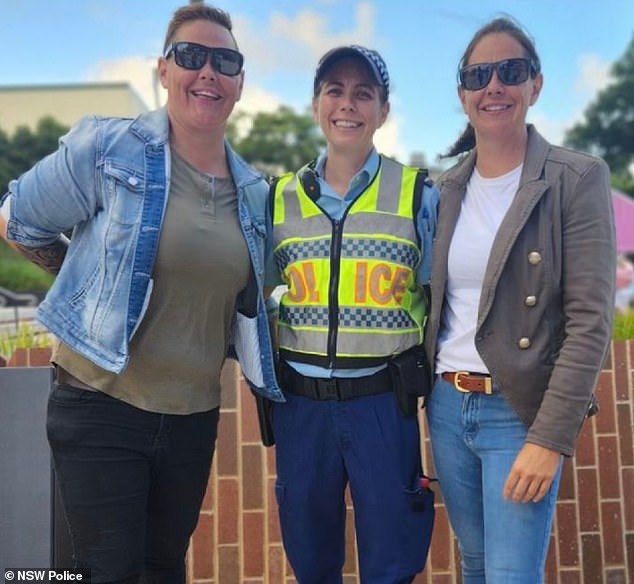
(372, 58)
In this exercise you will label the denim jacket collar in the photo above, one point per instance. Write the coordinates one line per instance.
(153, 128)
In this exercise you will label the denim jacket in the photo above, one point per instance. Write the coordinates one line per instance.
(109, 183)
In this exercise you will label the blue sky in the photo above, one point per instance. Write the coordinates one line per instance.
(64, 41)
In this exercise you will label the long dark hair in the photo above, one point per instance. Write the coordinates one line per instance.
(506, 24)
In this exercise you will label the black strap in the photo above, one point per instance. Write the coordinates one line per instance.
(334, 388)
(310, 182)
(272, 186)
(422, 180)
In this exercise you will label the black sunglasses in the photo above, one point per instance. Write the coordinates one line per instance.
(510, 72)
(193, 56)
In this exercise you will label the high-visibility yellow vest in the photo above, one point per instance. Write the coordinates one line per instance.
(352, 298)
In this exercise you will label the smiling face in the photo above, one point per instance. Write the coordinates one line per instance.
(348, 107)
(200, 101)
(498, 111)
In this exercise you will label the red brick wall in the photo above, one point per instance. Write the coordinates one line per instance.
(238, 539)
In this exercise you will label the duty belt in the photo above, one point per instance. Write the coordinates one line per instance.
(334, 388)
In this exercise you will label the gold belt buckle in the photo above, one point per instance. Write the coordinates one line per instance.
(488, 385)
(456, 381)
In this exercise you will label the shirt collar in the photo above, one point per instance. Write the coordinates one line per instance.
(361, 179)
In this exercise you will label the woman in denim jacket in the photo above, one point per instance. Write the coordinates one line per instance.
(165, 259)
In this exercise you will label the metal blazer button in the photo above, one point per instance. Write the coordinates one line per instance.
(530, 300)
(524, 343)
(534, 257)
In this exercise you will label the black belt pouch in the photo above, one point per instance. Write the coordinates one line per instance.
(411, 379)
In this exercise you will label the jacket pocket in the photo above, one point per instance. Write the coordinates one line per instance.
(125, 188)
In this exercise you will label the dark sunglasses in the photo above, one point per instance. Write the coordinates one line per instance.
(193, 56)
(510, 72)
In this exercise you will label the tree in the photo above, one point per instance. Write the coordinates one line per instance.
(608, 129)
(276, 141)
(5, 165)
(18, 154)
(26, 147)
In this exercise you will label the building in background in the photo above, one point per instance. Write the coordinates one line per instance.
(26, 105)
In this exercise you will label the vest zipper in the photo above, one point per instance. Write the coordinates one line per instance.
(333, 290)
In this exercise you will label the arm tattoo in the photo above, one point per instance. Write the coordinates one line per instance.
(49, 257)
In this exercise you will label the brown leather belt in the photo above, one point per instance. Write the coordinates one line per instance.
(468, 382)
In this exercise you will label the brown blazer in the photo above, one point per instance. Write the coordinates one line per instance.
(545, 315)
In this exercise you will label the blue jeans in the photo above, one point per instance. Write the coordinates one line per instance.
(132, 483)
(475, 439)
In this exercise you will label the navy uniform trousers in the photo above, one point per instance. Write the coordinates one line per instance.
(321, 447)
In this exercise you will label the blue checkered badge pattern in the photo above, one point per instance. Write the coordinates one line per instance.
(377, 61)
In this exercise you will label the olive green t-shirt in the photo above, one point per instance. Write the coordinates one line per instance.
(202, 264)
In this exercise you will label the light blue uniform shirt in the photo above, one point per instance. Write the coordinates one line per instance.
(335, 206)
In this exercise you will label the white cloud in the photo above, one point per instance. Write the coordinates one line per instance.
(387, 139)
(295, 43)
(552, 129)
(256, 99)
(593, 75)
(286, 45)
(310, 29)
(138, 71)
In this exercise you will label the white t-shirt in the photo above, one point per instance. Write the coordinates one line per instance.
(484, 206)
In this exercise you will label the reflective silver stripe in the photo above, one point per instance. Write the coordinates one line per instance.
(371, 223)
(375, 224)
(348, 342)
(291, 200)
(375, 345)
(312, 342)
(316, 226)
(390, 183)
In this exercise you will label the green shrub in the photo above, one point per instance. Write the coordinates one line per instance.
(19, 274)
(25, 337)
(623, 327)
